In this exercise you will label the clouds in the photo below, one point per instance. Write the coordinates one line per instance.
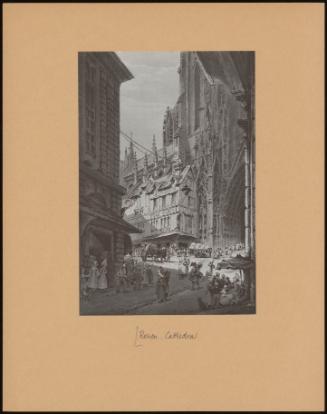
(145, 98)
(152, 59)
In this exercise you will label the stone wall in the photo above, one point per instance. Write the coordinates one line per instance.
(214, 147)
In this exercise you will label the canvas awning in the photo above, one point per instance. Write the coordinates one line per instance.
(109, 219)
(236, 263)
(177, 234)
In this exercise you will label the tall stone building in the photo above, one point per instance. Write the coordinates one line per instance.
(160, 199)
(214, 133)
(102, 229)
(211, 130)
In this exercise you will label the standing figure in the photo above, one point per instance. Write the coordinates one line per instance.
(149, 274)
(211, 267)
(138, 278)
(121, 279)
(84, 281)
(169, 253)
(160, 285)
(166, 286)
(193, 275)
(186, 264)
(212, 290)
(163, 254)
(180, 269)
(129, 263)
(143, 254)
(93, 275)
(199, 275)
(102, 281)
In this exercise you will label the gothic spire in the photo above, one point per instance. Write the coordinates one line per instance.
(131, 147)
(146, 165)
(145, 168)
(135, 167)
(154, 149)
(164, 156)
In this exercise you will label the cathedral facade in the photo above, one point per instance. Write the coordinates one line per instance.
(210, 131)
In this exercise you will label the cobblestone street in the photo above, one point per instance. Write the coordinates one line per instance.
(182, 299)
(110, 302)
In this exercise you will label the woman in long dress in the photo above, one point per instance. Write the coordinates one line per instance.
(102, 281)
(93, 275)
(84, 281)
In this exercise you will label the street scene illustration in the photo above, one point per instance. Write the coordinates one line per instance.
(167, 183)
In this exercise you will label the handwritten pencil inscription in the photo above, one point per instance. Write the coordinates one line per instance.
(142, 336)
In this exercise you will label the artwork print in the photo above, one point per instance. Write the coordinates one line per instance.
(167, 183)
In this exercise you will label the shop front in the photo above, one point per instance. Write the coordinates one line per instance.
(104, 236)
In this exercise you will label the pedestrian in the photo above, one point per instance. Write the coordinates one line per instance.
(121, 279)
(186, 264)
(199, 275)
(149, 274)
(137, 277)
(193, 275)
(168, 254)
(84, 281)
(211, 266)
(211, 290)
(102, 281)
(93, 275)
(160, 285)
(166, 284)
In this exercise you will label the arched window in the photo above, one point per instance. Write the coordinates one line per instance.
(196, 97)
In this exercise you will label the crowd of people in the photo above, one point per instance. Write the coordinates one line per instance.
(227, 251)
(221, 289)
(137, 275)
(134, 274)
(94, 275)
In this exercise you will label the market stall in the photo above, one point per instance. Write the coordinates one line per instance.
(245, 267)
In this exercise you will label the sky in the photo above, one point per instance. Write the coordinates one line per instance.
(144, 99)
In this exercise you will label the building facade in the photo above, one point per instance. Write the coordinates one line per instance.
(161, 204)
(103, 232)
(211, 131)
